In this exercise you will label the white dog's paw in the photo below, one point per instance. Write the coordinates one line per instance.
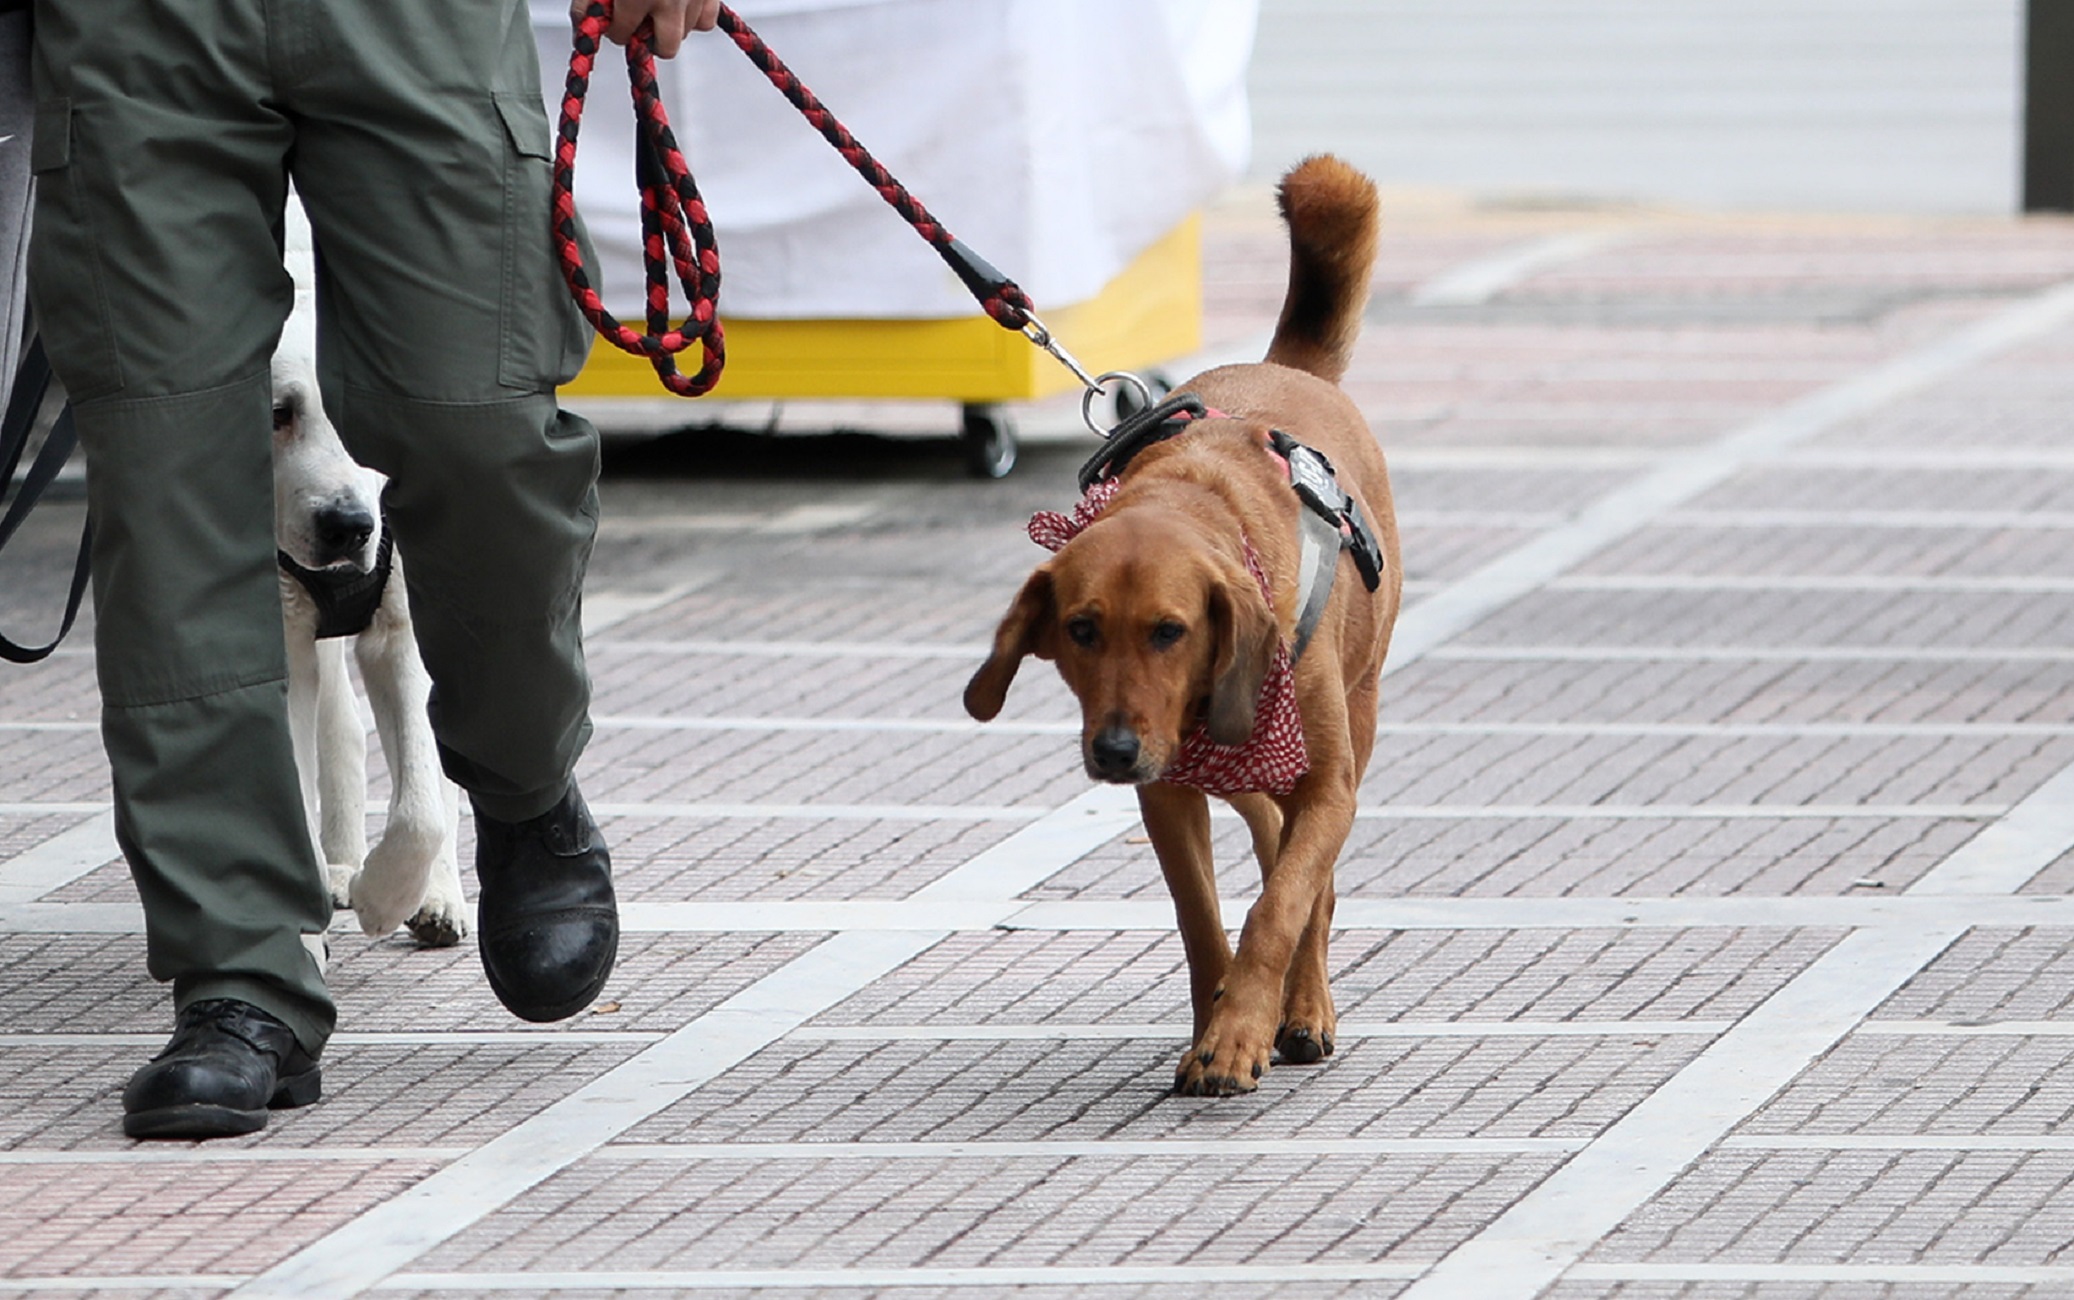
(340, 877)
(443, 921)
(392, 885)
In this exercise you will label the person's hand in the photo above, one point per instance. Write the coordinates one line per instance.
(672, 19)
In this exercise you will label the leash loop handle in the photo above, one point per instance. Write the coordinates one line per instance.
(676, 230)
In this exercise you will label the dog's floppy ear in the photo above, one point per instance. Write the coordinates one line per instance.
(1245, 633)
(1024, 630)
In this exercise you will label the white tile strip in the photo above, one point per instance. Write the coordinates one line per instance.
(1544, 1234)
(972, 653)
(360, 1254)
(350, 1259)
(918, 726)
(1076, 1031)
(2004, 584)
(2018, 1142)
(1477, 282)
(206, 1153)
(898, 812)
(806, 1279)
(59, 860)
(1860, 520)
(1863, 909)
(1699, 730)
(2057, 1278)
(1089, 1149)
(1597, 654)
(1179, 1030)
(1866, 908)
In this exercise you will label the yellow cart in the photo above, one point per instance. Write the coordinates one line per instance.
(1149, 313)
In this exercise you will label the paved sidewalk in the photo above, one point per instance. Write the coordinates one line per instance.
(1703, 933)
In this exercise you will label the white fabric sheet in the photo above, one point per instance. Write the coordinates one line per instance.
(1057, 138)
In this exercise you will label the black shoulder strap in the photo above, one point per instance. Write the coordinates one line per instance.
(31, 382)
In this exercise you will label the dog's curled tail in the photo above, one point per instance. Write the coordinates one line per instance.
(1333, 217)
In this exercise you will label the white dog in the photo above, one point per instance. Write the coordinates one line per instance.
(335, 551)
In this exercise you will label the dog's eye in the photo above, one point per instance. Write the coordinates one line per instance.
(1081, 630)
(1166, 632)
(283, 417)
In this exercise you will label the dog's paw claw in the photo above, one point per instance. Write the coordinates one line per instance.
(436, 928)
(1299, 1046)
(1221, 1068)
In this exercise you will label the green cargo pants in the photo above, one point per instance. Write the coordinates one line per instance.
(166, 134)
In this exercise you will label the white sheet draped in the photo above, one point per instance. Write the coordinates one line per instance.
(1057, 138)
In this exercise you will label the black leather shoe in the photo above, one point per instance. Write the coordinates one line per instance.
(546, 921)
(227, 1065)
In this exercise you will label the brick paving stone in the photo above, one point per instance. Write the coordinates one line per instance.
(52, 766)
(808, 685)
(1889, 1084)
(1906, 619)
(1513, 769)
(1552, 857)
(982, 768)
(1086, 977)
(1026, 1090)
(692, 859)
(111, 1219)
(1862, 1207)
(1993, 974)
(1873, 487)
(1729, 691)
(1840, 551)
(375, 1095)
(1029, 1212)
(90, 984)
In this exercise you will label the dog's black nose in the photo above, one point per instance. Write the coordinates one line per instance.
(1114, 751)
(341, 531)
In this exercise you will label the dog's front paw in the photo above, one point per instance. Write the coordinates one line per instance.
(1307, 1029)
(340, 877)
(443, 921)
(1227, 1060)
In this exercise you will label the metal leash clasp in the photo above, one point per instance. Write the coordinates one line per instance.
(1095, 385)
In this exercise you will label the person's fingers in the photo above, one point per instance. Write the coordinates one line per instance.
(671, 19)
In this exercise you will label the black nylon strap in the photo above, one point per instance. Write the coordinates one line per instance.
(1126, 440)
(31, 383)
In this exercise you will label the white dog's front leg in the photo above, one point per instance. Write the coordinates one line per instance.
(299, 627)
(341, 761)
(411, 874)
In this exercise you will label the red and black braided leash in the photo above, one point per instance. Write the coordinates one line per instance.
(676, 229)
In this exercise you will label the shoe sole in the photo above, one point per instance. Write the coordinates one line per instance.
(200, 1120)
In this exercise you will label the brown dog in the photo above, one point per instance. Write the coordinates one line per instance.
(1156, 617)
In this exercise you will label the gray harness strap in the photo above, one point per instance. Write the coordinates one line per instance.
(1331, 523)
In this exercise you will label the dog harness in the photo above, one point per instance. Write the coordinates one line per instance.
(346, 598)
(1273, 758)
(1332, 521)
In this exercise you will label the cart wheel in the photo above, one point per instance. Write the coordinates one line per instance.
(989, 441)
(1128, 403)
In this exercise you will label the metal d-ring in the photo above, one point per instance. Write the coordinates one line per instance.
(1099, 386)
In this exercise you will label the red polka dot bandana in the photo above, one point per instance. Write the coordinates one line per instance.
(1273, 759)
